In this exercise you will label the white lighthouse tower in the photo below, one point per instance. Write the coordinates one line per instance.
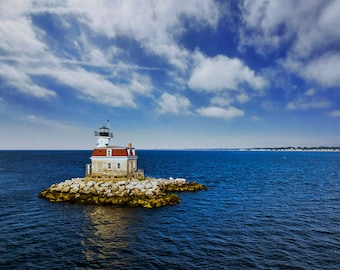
(110, 162)
(103, 136)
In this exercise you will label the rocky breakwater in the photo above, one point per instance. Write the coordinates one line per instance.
(147, 193)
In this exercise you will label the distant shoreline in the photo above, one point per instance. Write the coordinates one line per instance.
(332, 149)
(273, 149)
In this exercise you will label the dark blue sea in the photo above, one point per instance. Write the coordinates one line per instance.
(263, 210)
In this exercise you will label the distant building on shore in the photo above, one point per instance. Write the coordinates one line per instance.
(112, 161)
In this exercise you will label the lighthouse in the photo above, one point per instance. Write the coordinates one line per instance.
(110, 162)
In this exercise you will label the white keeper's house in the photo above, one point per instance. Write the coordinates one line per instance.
(112, 161)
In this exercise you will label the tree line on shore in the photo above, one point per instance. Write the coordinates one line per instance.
(299, 148)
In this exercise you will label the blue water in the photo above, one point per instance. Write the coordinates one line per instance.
(263, 210)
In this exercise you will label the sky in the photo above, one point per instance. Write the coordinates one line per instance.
(169, 74)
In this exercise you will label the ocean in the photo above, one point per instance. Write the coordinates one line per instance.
(262, 210)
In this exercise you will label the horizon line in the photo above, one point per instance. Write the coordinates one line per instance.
(287, 148)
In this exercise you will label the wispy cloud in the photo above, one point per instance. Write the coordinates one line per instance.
(307, 100)
(305, 104)
(306, 31)
(174, 104)
(335, 113)
(302, 104)
(217, 112)
(20, 80)
(156, 25)
(41, 121)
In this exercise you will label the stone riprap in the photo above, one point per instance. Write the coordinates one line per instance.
(148, 193)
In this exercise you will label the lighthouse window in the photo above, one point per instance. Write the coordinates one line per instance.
(109, 165)
(118, 166)
(109, 152)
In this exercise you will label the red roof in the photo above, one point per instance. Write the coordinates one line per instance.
(102, 152)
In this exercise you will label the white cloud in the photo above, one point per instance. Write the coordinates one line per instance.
(217, 112)
(222, 99)
(27, 55)
(174, 104)
(41, 121)
(91, 85)
(310, 25)
(255, 118)
(325, 70)
(227, 98)
(304, 104)
(14, 77)
(261, 18)
(17, 34)
(140, 84)
(335, 113)
(20, 40)
(2, 104)
(307, 31)
(95, 87)
(154, 24)
(222, 73)
(310, 92)
(98, 57)
(242, 98)
(318, 26)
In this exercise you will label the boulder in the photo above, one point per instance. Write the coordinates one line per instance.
(90, 183)
(106, 184)
(65, 189)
